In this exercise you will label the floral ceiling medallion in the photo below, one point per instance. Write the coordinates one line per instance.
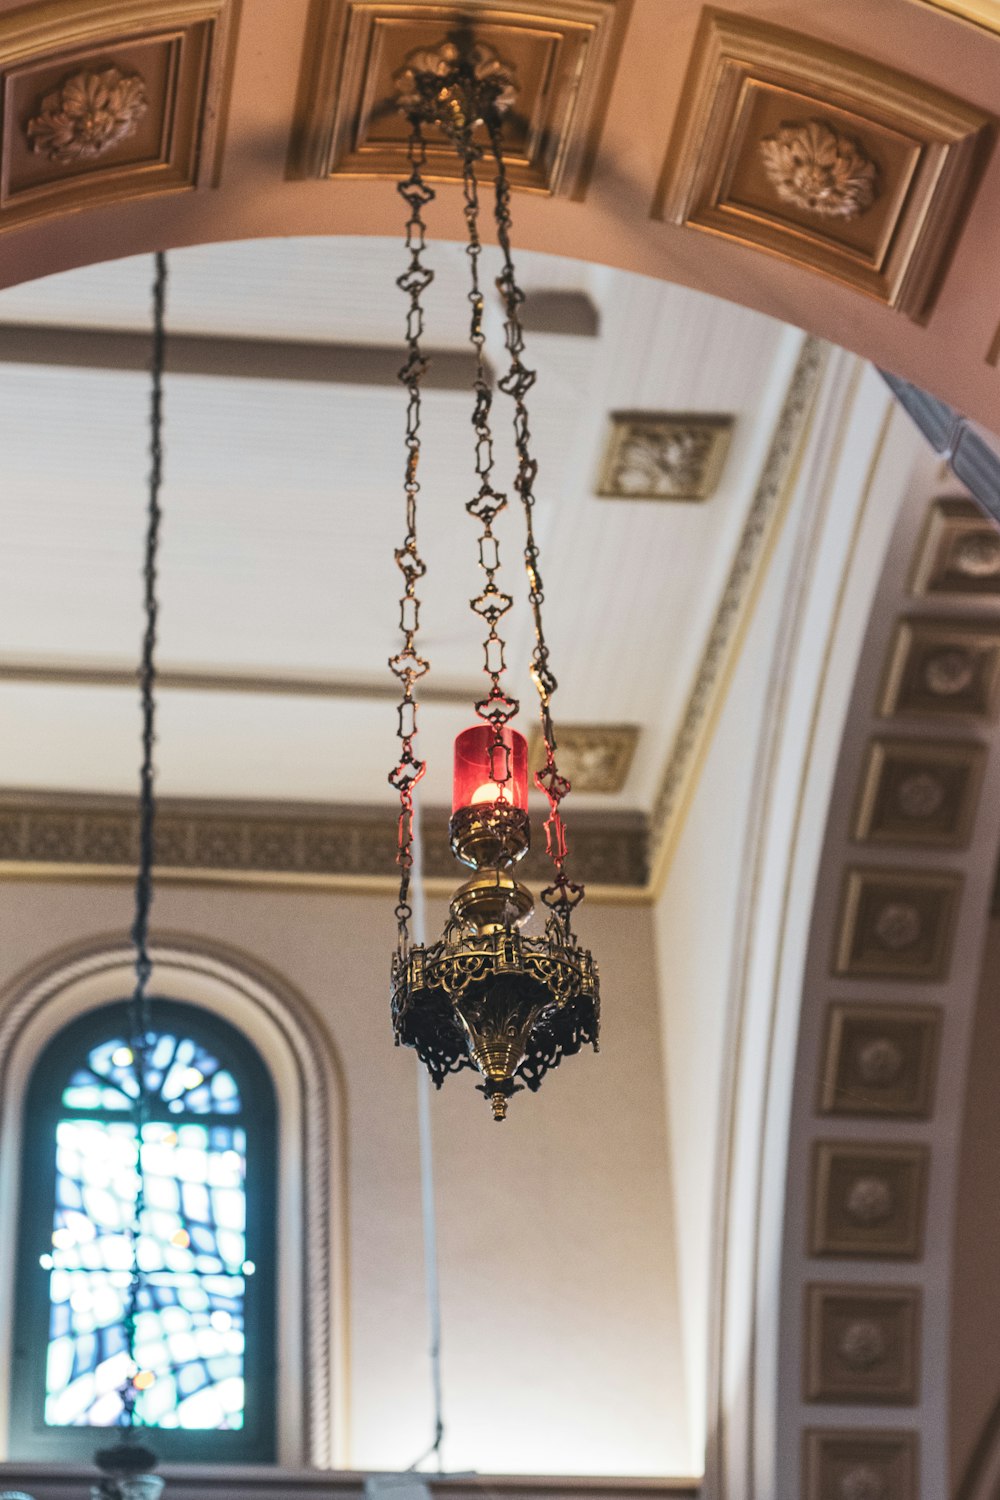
(88, 114)
(817, 169)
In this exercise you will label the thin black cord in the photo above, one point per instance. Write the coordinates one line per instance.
(139, 1009)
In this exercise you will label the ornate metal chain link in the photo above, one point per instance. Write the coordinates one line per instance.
(139, 1007)
(407, 665)
(563, 894)
(498, 707)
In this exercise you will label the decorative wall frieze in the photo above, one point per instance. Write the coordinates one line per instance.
(919, 792)
(862, 1344)
(868, 1200)
(943, 668)
(664, 455)
(559, 59)
(107, 101)
(880, 1060)
(960, 551)
(254, 842)
(897, 924)
(831, 161)
(593, 757)
(868, 1465)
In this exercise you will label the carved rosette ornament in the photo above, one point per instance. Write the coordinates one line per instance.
(439, 67)
(815, 168)
(88, 114)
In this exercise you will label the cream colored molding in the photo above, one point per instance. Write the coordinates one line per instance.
(271, 844)
(831, 161)
(561, 54)
(766, 512)
(158, 126)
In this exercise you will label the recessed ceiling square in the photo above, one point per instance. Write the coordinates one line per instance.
(562, 55)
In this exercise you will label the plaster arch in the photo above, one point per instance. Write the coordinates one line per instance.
(312, 1301)
(249, 191)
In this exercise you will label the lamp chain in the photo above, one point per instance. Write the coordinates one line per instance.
(407, 665)
(563, 894)
(139, 1008)
(498, 707)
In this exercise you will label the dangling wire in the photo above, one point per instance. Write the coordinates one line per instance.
(139, 1006)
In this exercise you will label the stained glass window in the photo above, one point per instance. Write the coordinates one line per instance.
(202, 1328)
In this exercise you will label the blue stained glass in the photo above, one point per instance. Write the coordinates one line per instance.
(189, 1325)
(180, 1073)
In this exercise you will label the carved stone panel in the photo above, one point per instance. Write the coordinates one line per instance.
(593, 757)
(862, 1344)
(664, 455)
(897, 924)
(960, 551)
(560, 55)
(919, 792)
(943, 669)
(868, 1200)
(860, 1465)
(880, 1060)
(103, 102)
(822, 157)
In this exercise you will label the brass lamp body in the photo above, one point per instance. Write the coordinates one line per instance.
(486, 995)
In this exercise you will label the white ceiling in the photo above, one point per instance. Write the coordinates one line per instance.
(282, 507)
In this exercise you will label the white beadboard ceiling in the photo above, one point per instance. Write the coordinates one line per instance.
(282, 507)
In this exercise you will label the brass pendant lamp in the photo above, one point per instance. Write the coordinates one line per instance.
(486, 995)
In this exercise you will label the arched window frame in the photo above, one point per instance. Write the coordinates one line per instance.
(43, 1108)
(313, 1341)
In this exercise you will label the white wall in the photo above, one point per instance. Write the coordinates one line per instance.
(560, 1332)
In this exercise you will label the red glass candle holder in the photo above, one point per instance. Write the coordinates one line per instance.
(487, 772)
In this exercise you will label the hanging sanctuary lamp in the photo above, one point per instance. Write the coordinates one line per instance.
(487, 994)
(126, 1466)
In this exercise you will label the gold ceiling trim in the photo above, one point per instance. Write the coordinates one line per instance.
(824, 158)
(985, 13)
(767, 510)
(109, 100)
(562, 54)
(274, 844)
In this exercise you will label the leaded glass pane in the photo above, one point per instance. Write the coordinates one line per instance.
(181, 1075)
(192, 1251)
